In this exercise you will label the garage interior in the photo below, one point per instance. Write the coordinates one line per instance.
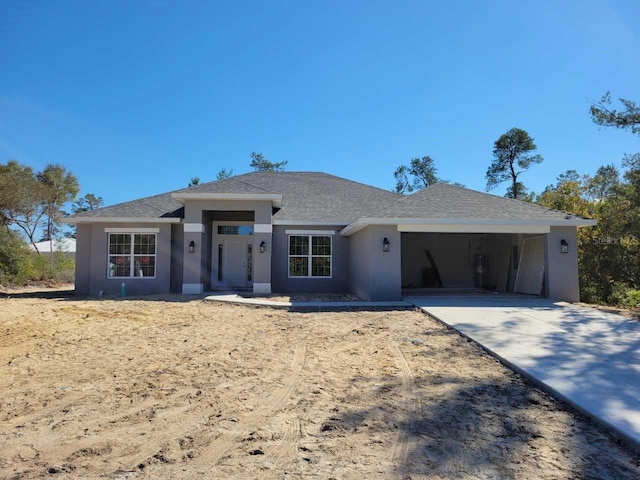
(500, 262)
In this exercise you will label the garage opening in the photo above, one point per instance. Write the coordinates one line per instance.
(501, 262)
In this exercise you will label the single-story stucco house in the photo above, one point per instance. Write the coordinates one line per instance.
(288, 232)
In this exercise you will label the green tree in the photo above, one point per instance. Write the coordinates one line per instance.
(260, 164)
(604, 115)
(87, 203)
(59, 186)
(567, 195)
(418, 174)
(603, 184)
(193, 182)
(513, 154)
(609, 253)
(22, 199)
(224, 173)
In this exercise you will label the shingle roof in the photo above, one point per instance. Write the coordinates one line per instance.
(306, 196)
(311, 196)
(444, 201)
(320, 197)
(157, 206)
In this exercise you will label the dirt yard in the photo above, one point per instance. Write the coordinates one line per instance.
(168, 388)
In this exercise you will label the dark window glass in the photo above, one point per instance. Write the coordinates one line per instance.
(299, 266)
(235, 230)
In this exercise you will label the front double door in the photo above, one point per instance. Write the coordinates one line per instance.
(235, 261)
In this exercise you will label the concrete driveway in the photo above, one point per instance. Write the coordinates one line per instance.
(585, 356)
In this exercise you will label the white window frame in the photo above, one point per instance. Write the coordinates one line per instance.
(132, 255)
(310, 255)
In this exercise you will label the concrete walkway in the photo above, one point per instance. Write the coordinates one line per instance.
(584, 356)
(265, 302)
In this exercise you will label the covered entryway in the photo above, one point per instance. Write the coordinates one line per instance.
(232, 255)
(502, 262)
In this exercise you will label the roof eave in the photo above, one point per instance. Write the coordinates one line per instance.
(361, 223)
(311, 223)
(76, 220)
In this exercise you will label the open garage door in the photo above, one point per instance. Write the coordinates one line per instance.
(502, 262)
(531, 267)
(456, 261)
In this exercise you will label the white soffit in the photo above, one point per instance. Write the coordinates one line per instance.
(469, 225)
(310, 223)
(426, 228)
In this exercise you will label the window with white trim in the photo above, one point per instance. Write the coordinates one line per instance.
(132, 255)
(309, 255)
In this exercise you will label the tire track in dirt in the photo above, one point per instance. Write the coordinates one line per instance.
(176, 429)
(215, 451)
(283, 453)
(176, 426)
(411, 407)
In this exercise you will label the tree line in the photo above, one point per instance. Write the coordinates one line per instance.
(31, 209)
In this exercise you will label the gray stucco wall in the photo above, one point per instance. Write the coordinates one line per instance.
(376, 275)
(561, 277)
(385, 270)
(280, 281)
(83, 259)
(92, 255)
(359, 263)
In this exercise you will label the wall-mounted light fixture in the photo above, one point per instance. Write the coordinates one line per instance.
(564, 246)
(263, 246)
(192, 247)
(385, 244)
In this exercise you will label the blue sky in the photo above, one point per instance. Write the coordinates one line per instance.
(136, 98)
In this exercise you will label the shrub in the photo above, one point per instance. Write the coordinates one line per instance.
(16, 264)
(632, 299)
(624, 296)
(20, 265)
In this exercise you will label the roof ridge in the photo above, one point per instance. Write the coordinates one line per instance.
(251, 184)
(356, 182)
(404, 197)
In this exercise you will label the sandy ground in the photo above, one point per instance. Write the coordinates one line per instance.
(168, 388)
(307, 297)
